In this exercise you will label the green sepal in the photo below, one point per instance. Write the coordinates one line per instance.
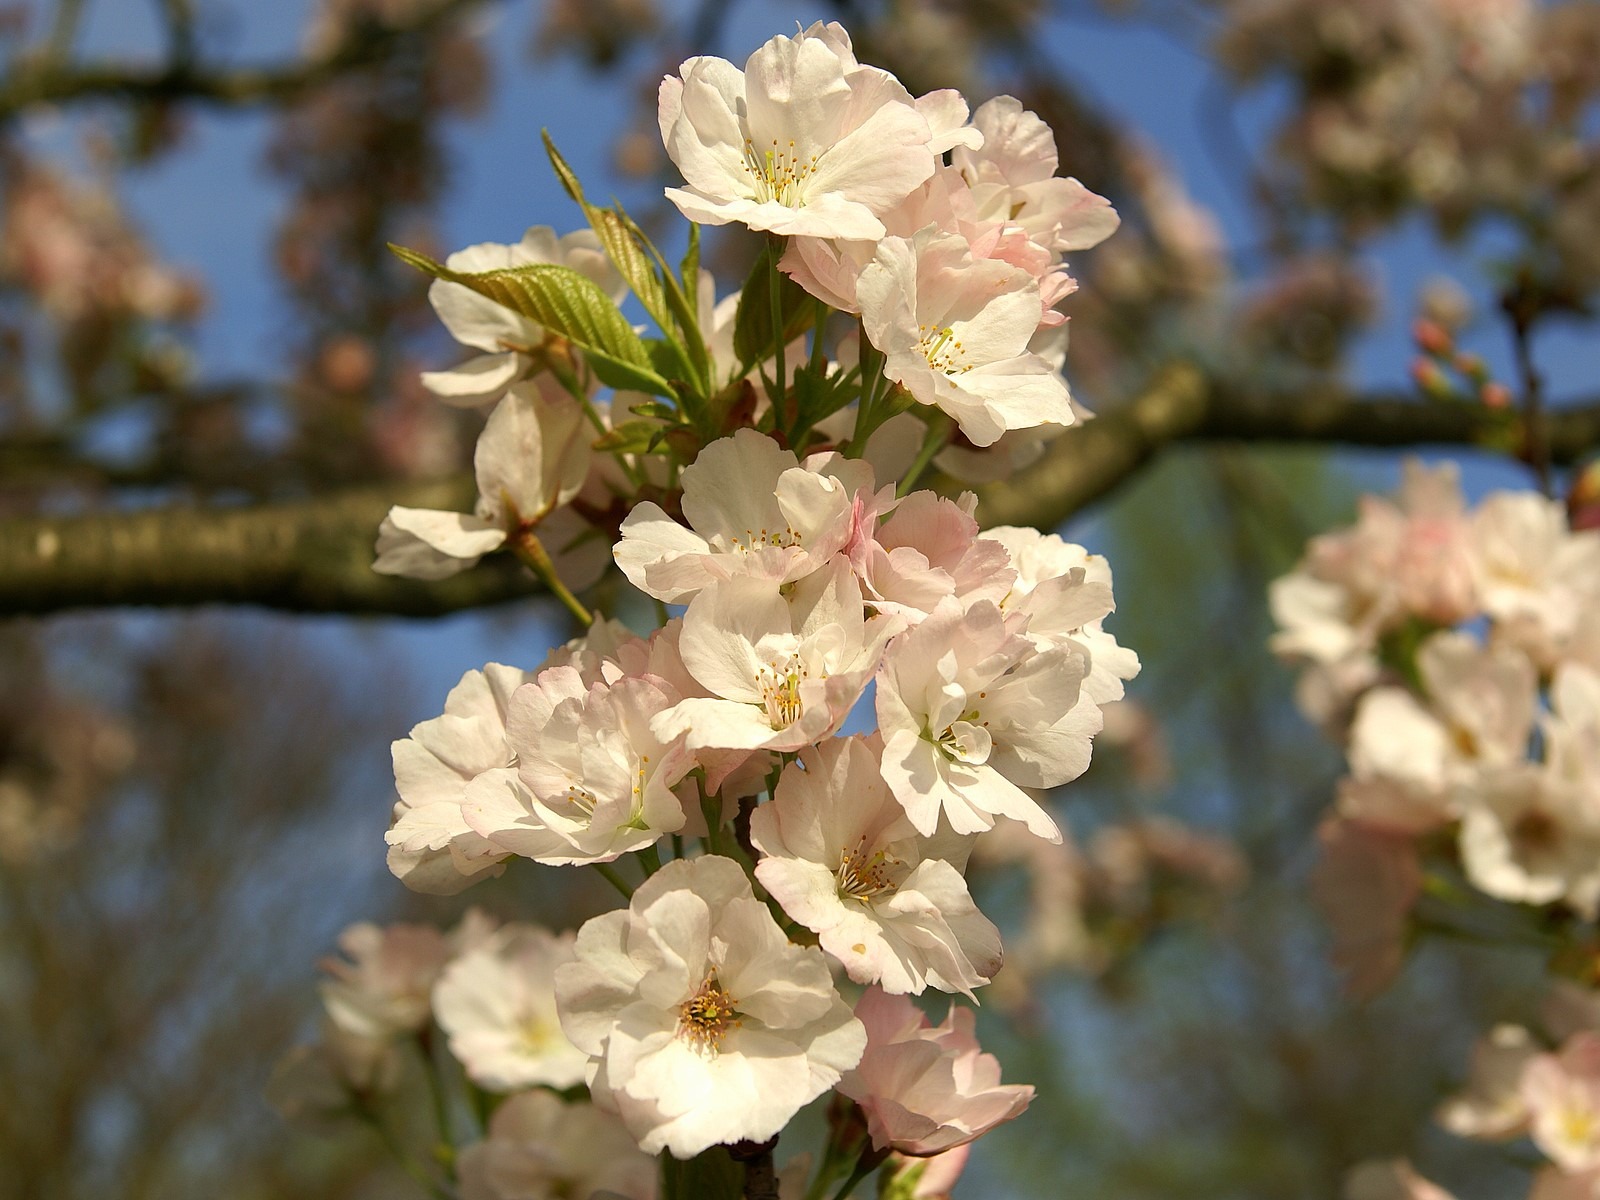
(631, 437)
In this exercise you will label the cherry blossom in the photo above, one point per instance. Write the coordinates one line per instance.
(1562, 1092)
(954, 331)
(783, 672)
(702, 1022)
(1012, 175)
(971, 714)
(532, 458)
(803, 141)
(496, 1003)
(1493, 1105)
(592, 780)
(1065, 593)
(926, 1088)
(539, 1147)
(383, 988)
(753, 510)
(431, 846)
(842, 859)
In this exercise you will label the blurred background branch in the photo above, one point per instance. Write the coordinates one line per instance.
(315, 555)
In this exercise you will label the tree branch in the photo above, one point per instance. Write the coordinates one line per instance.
(309, 556)
(316, 555)
(48, 80)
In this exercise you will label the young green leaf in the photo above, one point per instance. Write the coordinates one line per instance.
(753, 339)
(567, 303)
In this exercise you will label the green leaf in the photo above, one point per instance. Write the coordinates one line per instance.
(640, 264)
(567, 303)
(817, 396)
(632, 263)
(753, 339)
(655, 409)
(689, 268)
(665, 357)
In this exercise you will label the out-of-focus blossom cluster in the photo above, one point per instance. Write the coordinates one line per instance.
(69, 244)
(1541, 1085)
(1442, 644)
(1467, 108)
(1089, 907)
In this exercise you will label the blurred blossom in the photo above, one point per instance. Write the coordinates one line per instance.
(70, 244)
(1366, 884)
(1390, 1181)
(1310, 309)
(600, 30)
(541, 1148)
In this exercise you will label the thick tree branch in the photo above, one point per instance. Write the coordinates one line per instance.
(309, 556)
(316, 555)
(49, 80)
(1181, 405)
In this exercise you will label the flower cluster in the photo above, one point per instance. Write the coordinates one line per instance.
(1466, 109)
(1442, 644)
(754, 466)
(1540, 1085)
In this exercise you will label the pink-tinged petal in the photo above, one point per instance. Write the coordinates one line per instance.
(533, 453)
(946, 113)
(1077, 218)
(650, 551)
(728, 489)
(796, 98)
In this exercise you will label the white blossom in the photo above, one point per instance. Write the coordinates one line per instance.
(703, 1023)
(804, 141)
(971, 714)
(842, 859)
(497, 1005)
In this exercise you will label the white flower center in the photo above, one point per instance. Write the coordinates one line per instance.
(943, 350)
(778, 174)
(753, 540)
(705, 1018)
(967, 737)
(861, 876)
(780, 691)
(581, 798)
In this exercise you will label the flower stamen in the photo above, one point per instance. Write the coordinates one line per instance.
(705, 1018)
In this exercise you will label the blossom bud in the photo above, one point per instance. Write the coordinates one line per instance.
(1430, 380)
(1432, 337)
(1495, 395)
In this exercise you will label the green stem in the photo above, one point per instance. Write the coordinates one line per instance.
(436, 1097)
(614, 879)
(677, 845)
(933, 441)
(775, 297)
(576, 389)
(398, 1152)
(711, 809)
(531, 551)
(651, 858)
(866, 1166)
